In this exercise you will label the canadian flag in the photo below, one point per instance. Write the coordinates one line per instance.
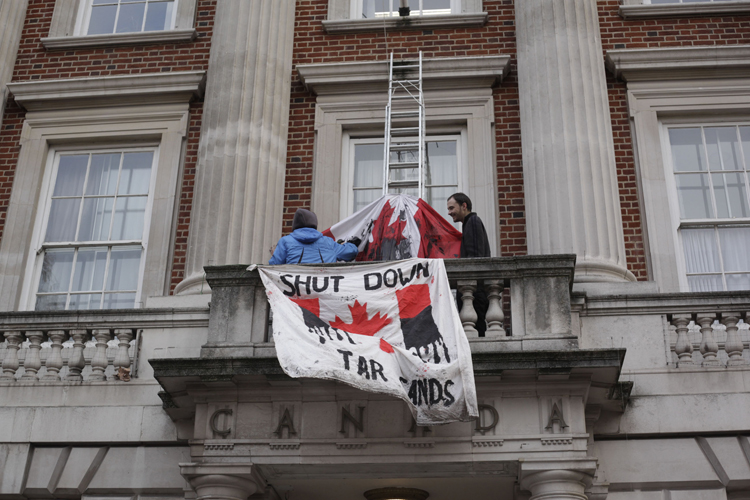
(399, 226)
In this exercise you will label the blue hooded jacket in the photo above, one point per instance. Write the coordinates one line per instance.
(312, 247)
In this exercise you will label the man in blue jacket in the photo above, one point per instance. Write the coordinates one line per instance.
(307, 245)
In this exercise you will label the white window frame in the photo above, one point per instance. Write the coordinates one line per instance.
(84, 17)
(678, 224)
(644, 9)
(350, 140)
(39, 247)
(668, 86)
(356, 8)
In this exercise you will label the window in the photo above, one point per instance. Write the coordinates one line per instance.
(684, 1)
(710, 175)
(128, 16)
(442, 155)
(651, 9)
(388, 8)
(93, 246)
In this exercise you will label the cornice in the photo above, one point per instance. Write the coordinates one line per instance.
(372, 76)
(156, 88)
(113, 39)
(449, 21)
(679, 63)
(650, 11)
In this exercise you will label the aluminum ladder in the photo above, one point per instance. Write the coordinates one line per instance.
(404, 149)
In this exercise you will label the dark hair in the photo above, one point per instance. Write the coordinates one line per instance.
(461, 199)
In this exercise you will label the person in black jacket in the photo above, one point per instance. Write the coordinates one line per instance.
(474, 243)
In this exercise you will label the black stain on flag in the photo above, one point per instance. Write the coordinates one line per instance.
(417, 324)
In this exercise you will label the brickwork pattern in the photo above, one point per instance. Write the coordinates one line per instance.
(618, 33)
(34, 62)
(313, 45)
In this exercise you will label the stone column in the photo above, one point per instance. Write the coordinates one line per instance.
(557, 479)
(239, 184)
(12, 17)
(223, 481)
(570, 183)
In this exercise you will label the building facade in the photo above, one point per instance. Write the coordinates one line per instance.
(150, 150)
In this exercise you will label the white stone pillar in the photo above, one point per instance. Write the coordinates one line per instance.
(570, 183)
(239, 185)
(557, 479)
(223, 481)
(12, 17)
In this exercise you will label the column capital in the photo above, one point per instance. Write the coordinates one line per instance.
(223, 481)
(557, 479)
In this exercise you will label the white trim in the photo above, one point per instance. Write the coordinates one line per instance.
(84, 17)
(345, 16)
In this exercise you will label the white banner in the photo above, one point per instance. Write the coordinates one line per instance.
(388, 327)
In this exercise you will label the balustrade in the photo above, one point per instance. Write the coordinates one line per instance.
(66, 354)
(721, 338)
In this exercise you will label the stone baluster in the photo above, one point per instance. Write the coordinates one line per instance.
(99, 362)
(124, 336)
(10, 363)
(495, 316)
(55, 362)
(733, 345)
(683, 348)
(33, 361)
(468, 315)
(76, 362)
(709, 347)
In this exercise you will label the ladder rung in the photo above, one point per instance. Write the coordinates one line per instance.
(404, 164)
(411, 146)
(402, 97)
(402, 66)
(392, 184)
(404, 130)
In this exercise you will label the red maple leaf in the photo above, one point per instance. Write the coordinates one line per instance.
(361, 324)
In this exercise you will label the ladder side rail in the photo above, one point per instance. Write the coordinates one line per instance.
(387, 137)
(420, 168)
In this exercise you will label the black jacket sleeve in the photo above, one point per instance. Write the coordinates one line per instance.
(474, 242)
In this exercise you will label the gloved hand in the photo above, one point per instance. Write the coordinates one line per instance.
(354, 240)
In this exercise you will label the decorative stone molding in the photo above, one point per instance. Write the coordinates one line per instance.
(557, 441)
(636, 9)
(12, 16)
(570, 180)
(150, 88)
(372, 76)
(487, 443)
(140, 38)
(680, 63)
(223, 480)
(419, 444)
(448, 21)
(284, 445)
(218, 447)
(557, 478)
(358, 445)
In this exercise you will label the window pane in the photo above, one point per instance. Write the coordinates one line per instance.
(50, 303)
(85, 301)
(687, 149)
(694, 197)
(56, 269)
(130, 18)
(738, 282)
(441, 163)
(71, 173)
(136, 173)
(119, 300)
(158, 16)
(412, 191)
(722, 148)
(362, 198)
(745, 138)
(436, 7)
(128, 223)
(735, 242)
(102, 19)
(89, 270)
(437, 198)
(373, 8)
(103, 174)
(730, 194)
(96, 219)
(63, 218)
(701, 253)
(705, 283)
(124, 264)
(368, 165)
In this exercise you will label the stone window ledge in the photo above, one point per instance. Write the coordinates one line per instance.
(650, 11)
(115, 39)
(679, 63)
(470, 20)
(156, 88)
(372, 76)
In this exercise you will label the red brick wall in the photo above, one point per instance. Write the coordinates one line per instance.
(313, 45)
(618, 33)
(34, 62)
